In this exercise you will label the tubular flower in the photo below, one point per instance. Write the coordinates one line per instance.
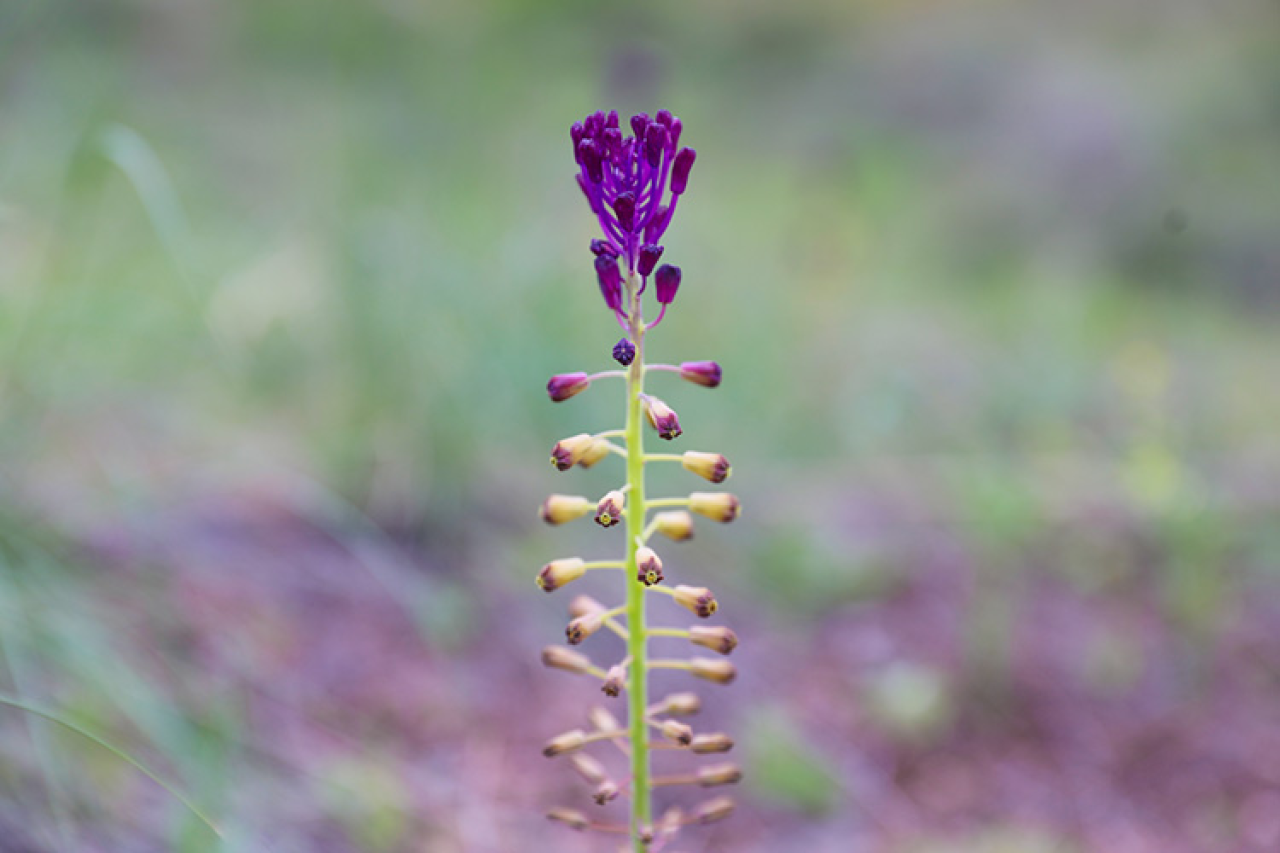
(569, 451)
(662, 418)
(713, 669)
(648, 566)
(667, 283)
(697, 599)
(718, 638)
(708, 466)
(557, 573)
(565, 385)
(717, 506)
(609, 510)
(705, 373)
(560, 509)
(597, 450)
(676, 525)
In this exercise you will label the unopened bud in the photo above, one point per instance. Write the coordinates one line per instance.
(560, 509)
(565, 385)
(717, 506)
(713, 810)
(558, 657)
(719, 671)
(557, 573)
(624, 352)
(602, 719)
(604, 247)
(719, 774)
(680, 170)
(705, 373)
(666, 283)
(570, 817)
(678, 705)
(717, 638)
(708, 466)
(649, 254)
(614, 680)
(584, 626)
(648, 566)
(609, 510)
(588, 768)
(711, 743)
(676, 732)
(584, 604)
(697, 599)
(606, 792)
(610, 281)
(662, 418)
(598, 450)
(624, 207)
(672, 819)
(675, 524)
(567, 742)
(568, 451)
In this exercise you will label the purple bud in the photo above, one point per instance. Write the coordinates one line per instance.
(655, 139)
(612, 143)
(701, 373)
(673, 134)
(564, 385)
(638, 124)
(649, 255)
(625, 207)
(612, 119)
(657, 224)
(593, 123)
(680, 171)
(589, 156)
(576, 133)
(666, 283)
(624, 352)
(603, 247)
(664, 117)
(610, 281)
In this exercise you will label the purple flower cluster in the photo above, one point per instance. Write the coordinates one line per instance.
(632, 184)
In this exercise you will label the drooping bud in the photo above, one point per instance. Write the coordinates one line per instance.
(605, 248)
(649, 255)
(606, 792)
(624, 206)
(714, 742)
(588, 768)
(610, 280)
(648, 566)
(582, 627)
(713, 810)
(609, 509)
(557, 573)
(697, 599)
(624, 352)
(569, 451)
(614, 680)
(666, 282)
(706, 373)
(719, 774)
(570, 818)
(676, 732)
(717, 638)
(565, 385)
(581, 605)
(598, 450)
(680, 170)
(559, 509)
(675, 524)
(709, 466)
(717, 506)
(678, 705)
(558, 657)
(713, 669)
(662, 418)
(567, 742)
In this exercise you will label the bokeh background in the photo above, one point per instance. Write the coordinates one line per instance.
(995, 288)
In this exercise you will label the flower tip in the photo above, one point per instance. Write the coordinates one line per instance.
(560, 509)
(666, 283)
(624, 352)
(717, 506)
(696, 599)
(680, 170)
(662, 418)
(557, 573)
(562, 386)
(648, 566)
(610, 280)
(610, 509)
(705, 373)
(649, 255)
(713, 467)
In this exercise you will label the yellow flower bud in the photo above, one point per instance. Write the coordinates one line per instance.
(598, 450)
(557, 573)
(709, 743)
(676, 732)
(569, 451)
(719, 774)
(719, 671)
(609, 510)
(558, 657)
(708, 466)
(558, 509)
(584, 626)
(648, 566)
(717, 638)
(697, 599)
(713, 810)
(676, 525)
(567, 742)
(717, 506)
(570, 817)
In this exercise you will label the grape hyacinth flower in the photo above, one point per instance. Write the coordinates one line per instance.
(633, 182)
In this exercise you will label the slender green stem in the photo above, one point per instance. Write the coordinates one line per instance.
(683, 633)
(660, 502)
(637, 688)
(664, 457)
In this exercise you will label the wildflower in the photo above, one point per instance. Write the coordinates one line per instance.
(676, 732)
(569, 451)
(558, 657)
(680, 172)
(666, 282)
(559, 509)
(713, 810)
(584, 626)
(610, 280)
(662, 418)
(609, 509)
(567, 742)
(615, 678)
(719, 774)
(676, 525)
(607, 791)
(604, 247)
(565, 385)
(717, 506)
(697, 599)
(597, 450)
(707, 744)
(718, 638)
(706, 373)
(678, 705)
(624, 352)
(712, 669)
(709, 466)
(557, 573)
(648, 566)
(649, 255)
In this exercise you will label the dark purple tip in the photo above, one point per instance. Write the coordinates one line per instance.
(664, 117)
(625, 208)
(655, 139)
(673, 134)
(666, 282)
(589, 156)
(576, 133)
(594, 123)
(706, 373)
(638, 124)
(604, 247)
(612, 119)
(565, 385)
(649, 255)
(680, 171)
(610, 281)
(656, 224)
(624, 352)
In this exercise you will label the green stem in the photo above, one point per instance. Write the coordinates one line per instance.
(637, 687)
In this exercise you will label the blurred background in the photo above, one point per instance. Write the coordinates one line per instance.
(995, 288)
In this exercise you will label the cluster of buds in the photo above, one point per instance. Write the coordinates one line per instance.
(633, 182)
